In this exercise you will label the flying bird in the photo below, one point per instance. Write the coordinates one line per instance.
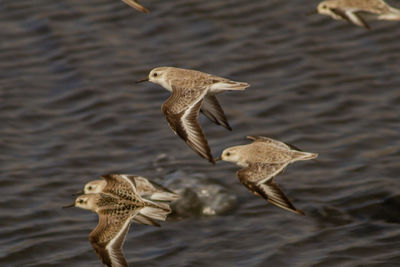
(116, 210)
(191, 92)
(261, 161)
(358, 11)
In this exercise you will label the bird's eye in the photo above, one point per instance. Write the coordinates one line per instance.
(155, 74)
(80, 201)
(90, 188)
(324, 6)
(228, 154)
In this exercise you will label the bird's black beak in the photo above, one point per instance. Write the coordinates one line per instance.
(312, 12)
(217, 159)
(144, 80)
(69, 206)
(78, 193)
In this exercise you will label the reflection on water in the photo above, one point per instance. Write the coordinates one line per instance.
(70, 111)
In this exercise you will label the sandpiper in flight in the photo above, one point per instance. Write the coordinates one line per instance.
(109, 235)
(193, 91)
(358, 11)
(115, 216)
(116, 209)
(262, 160)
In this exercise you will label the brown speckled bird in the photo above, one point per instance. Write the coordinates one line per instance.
(262, 160)
(116, 211)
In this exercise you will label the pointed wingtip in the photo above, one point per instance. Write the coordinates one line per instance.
(312, 155)
(294, 147)
(145, 11)
(306, 155)
(228, 127)
(362, 24)
(300, 212)
(136, 6)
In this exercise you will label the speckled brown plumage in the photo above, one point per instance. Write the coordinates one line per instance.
(262, 160)
(117, 206)
(109, 235)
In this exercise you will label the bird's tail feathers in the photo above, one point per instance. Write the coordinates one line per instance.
(156, 210)
(393, 15)
(155, 213)
(164, 196)
(305, 155)
(142, 219)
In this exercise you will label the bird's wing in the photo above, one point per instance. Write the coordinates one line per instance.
(357, 19)
(108, 238)
(121, 185)
(213, 110)
(136, 5)
(351, 16)
(181, 111)
(142, 219)
(151, 190)
(274, 142)
(258, 178)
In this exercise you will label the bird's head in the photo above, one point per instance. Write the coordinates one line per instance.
(86, 202)
(96, 186)
(325, 8)
(156, 75)
(231, 154)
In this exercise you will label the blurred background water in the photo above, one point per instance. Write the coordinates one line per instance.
(70, 111)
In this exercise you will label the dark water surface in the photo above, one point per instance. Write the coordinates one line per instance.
(70, 111)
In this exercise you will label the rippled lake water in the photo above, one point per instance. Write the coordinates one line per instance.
(70, 111)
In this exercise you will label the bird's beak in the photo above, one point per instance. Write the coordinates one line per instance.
(78, 193)
(217, 159)
(69, 206)
(144, 80)
(312, 12)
